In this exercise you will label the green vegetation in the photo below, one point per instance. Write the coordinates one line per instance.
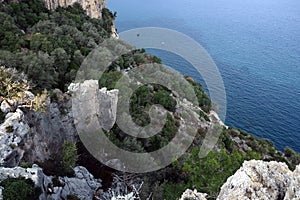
(292, 156)
(198, 171)
(69, 157)
(48, 46)
(203, 99)
(204, 116)
(26, 164)
(72, 197)
(19, 189)
(13, 87)
(192, 172)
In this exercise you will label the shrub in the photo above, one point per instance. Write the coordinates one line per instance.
(19, 189)
(72, 197)
(69, 157)
(26, 164)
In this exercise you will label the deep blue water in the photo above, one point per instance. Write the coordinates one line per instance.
(256, 46)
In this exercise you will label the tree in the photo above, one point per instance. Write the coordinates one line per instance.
(19, 189)
(15, 87)
(69, 157)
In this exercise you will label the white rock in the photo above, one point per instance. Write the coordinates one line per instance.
(12, 133)
(84, 186)
(293, 190)
(193, 195)
(6, 106)
(88, 102)
(257, 180)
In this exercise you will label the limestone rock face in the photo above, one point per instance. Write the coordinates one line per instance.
(193, 195)
(293, 190)
(83, 185)
(89, 101)
(92, 7)
(258, 180)
(48, 132)
(12, 133)
(108, 101)
(36, 136)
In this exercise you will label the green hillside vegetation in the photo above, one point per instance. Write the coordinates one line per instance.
(49, 47)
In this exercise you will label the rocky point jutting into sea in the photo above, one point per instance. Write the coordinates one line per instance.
(42, 157)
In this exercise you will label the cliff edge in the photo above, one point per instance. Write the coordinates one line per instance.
(92, 7)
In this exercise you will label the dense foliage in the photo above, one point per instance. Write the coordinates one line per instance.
(48, 46)
(192, 172)
(19, 189)
(15, 87)
(69, 157)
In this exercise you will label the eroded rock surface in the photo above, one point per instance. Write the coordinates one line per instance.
(193, 195)
(83, 184)
(293, 190)
(258, 180)
(92, 7)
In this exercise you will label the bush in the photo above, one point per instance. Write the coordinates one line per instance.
(69, 157)
(221, 164)
(72, 197)
(26, 164)
(19, 189)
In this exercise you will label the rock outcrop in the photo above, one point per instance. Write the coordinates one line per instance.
(92, 7)
(262, 180)
(193, 195)
(257, 180)
(83, 185)
(36, 136)
(89, 100)
(293, 190)
(12, 134)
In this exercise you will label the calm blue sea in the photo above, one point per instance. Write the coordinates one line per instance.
(256, 46)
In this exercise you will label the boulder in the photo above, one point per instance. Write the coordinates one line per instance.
(7, 106)
(257, 180)
(193, 195)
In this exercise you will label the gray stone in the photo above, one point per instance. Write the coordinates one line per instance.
(83, 185)
(89, 103)
(257, 180)
(193, 195)
(48, 132)
(293, 190)
(12, 133)
(108, 101)
(6, 106)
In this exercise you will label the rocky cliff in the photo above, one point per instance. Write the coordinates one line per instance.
(92, 7)
(35, 136)
(257, 180)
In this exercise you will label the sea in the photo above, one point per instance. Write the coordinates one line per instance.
(255, 45)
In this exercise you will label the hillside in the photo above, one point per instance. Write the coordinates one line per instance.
(42, 52)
